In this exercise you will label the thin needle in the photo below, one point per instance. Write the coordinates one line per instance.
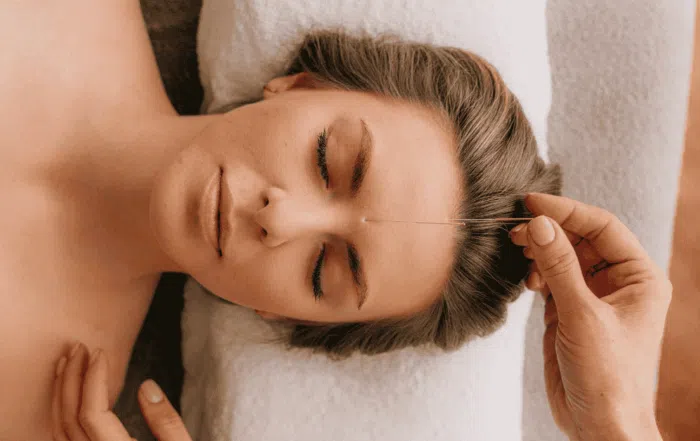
(456, 221)
(497, 219)
(415, 222)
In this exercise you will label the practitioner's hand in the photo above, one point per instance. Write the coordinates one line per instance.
(605, 318)
(81, 407)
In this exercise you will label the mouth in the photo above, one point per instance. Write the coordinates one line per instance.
(225, 213)
(209, 212)
(218, 213)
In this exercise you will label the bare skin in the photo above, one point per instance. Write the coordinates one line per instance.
(59, 285)
(98, 176)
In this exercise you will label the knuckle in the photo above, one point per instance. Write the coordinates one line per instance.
(605, 215)
(87, 419)
(69, 424)
(170, 421)
(559, 262)
(638, 274)
(659, 285)
(59, 436)
(605, 219)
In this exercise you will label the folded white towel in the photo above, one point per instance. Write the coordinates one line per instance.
(241, 386)
(237, 387)
(620, 82)
(620, 74)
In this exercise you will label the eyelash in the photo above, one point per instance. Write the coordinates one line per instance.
(316, 276)
(321, 156)
(322, 142)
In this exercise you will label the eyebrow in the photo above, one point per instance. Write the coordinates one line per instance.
(358, 275)
(359, 171)
(362, 161)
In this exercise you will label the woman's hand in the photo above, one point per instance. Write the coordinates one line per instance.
(81, 406)
(605, 318)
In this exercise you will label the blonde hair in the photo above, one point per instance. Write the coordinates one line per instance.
(497, 152)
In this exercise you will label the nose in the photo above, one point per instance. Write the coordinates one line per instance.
(285, 217)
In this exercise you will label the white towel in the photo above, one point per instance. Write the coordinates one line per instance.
(237, 388)
(620, 72)
(620, 77)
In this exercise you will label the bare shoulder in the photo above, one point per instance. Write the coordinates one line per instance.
(85, 46)
(17, 13)
(65, 6)
(68, 62)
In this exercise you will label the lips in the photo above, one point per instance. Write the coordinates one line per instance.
(209, 210)
(225, 214)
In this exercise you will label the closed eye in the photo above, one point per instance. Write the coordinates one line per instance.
(316, 275)
(321, 156)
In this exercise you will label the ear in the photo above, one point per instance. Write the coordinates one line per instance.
(282, 84)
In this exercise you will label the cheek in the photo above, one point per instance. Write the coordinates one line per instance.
(263, 130)
(269, 279)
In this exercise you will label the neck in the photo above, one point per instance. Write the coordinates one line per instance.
(109, 181)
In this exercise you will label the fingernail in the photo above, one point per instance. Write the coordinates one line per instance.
(517, 229)
(152, 391)
(74, 350)
(95, 355)
(541, 230)
(61, 366)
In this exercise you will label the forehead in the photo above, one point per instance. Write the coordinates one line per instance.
(413, 176)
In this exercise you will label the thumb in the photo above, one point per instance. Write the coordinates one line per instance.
(557, 263)
(161, 416)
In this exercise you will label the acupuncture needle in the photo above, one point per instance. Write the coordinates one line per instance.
(456, 221)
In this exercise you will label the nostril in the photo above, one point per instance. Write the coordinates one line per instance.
(263, 232)
(266, 201)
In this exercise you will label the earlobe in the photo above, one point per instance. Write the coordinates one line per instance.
(279, 85)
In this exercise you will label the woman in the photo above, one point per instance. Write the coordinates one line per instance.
(280, 206)
(601, 345)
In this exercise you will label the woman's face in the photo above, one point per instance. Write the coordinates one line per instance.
(294, 177)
